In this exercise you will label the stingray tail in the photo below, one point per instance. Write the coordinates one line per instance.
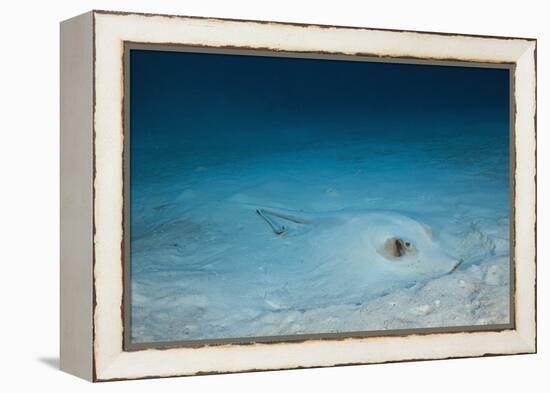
(279, 230)
(284, 216)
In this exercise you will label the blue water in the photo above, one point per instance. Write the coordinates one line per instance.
(361, 151)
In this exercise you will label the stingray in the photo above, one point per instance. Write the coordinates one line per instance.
(354, 255)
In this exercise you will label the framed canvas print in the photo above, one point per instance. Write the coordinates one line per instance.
(245, 195)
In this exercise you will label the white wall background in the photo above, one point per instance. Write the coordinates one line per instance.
(29, 195)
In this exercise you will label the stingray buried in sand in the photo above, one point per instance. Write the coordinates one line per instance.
(372, 252)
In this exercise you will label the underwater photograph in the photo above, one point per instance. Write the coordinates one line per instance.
(277, 196)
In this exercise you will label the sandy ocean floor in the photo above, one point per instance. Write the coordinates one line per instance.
(206, 266)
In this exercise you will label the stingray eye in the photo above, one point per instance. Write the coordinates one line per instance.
(407, 244)
(395, 248)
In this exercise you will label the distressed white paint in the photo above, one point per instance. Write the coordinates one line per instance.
(112, 30)
(76, 172)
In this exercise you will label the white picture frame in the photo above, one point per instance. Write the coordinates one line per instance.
(93, 181)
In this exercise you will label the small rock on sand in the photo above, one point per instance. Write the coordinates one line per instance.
(423, 310)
